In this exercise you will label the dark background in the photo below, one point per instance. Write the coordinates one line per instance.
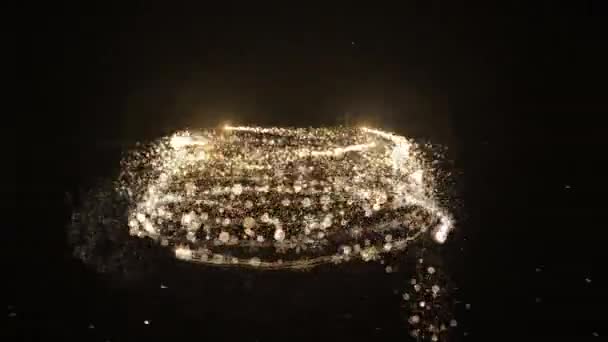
(514, 93)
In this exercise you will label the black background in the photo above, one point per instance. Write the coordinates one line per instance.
(515, 93)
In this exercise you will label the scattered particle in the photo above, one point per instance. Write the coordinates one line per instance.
(435, 289)
(414, 319)
(146, 322)
(91, 326)
(467, 306)
(588, 280)
(453, 323)
(224, 237)
(304, 187)
(255, 261)
(183, 253)
(306, 202)
(163, 286)
(12, 314)
(248, 222)
(237, 189)
(279, 234)
(346, 250)
(406, 296)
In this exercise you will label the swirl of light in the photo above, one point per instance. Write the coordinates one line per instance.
(276, 198)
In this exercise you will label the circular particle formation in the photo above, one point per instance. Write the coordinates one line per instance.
(282, 197)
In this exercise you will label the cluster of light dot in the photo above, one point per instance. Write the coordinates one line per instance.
(426, 298)
(282, 197)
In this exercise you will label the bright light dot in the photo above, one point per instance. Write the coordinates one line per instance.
(306, 202)
(249, 222)
(146, 322)
(224, 237)
(417, 176)
(183, 253)
(180, 141)
(443, 228)
(279, 234)
(237, 189)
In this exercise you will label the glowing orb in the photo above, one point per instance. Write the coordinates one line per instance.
(282, 197)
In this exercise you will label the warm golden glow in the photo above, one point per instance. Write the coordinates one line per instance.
(290, 190)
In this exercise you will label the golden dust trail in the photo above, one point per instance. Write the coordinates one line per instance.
(258, 188)
(272, 198)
